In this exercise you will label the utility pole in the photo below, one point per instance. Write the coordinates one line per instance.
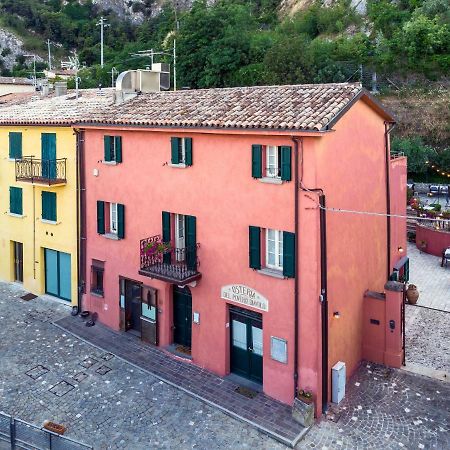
(102, 24)
(174, 64)
(49, 55)
(34, 69)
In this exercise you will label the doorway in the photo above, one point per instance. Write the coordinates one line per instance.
(48, 155)
(182, 316)
(58, 278)
(18, 261)
(246, 346)
(133, 307)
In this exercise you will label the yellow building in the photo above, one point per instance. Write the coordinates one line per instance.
(39, 186)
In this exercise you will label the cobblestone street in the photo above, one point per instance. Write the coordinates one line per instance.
(104, 401)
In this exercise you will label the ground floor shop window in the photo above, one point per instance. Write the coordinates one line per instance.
(97, 274)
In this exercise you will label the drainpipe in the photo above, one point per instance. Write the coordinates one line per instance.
(296, 141)
(388, 127)
(81, 217)
(323, 276)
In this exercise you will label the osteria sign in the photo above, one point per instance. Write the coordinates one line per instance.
(244, 295)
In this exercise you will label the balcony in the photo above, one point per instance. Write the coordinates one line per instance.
(40, 171)
(161, 260)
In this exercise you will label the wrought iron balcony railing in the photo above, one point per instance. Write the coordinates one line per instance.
(41, 171)
(163, 261)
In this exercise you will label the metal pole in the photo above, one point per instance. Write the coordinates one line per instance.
(49, 55)
(174, 64)
(101, 41)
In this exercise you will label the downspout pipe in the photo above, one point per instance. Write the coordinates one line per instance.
(323, 276)
(296, 141)
(388, 127)
(81, 217)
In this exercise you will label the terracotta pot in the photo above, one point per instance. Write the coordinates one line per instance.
(412, 294)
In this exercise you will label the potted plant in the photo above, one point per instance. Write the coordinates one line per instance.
(412, 294)
(156, 247)
(423, 245)
(303, 408)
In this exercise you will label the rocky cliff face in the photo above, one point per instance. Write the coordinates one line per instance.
(10, 47)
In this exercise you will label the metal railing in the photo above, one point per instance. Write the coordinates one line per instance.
(163, 261)
(23, 435)
(41, 171)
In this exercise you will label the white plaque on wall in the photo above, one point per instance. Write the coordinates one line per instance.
(245, 296)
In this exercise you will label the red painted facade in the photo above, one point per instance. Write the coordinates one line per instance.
(347, 163)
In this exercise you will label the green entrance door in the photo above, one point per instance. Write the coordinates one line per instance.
(182, 316)
(246, 344)
(58, 274)
(48, 155)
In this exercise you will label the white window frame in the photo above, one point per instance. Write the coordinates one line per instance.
(182, 160)
(278, 249)
(180, 236)
(273, 170)
(113, 219)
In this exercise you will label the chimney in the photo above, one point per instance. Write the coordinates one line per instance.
(60, 88)
(45, 88)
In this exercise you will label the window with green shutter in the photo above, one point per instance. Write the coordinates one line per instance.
(112, 149)
(100, 217)
(166, 234)
(49, 206)
(191, 242)
(286, 163)
(120, 221)
(15, 145)
(288, 254)
(256, 161)
(255, 247)
(181, 151)
(15, 200)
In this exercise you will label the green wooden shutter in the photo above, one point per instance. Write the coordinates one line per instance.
(49, 206)
(256, 161)
(166, 234)
(191, 242)
(255, 247)
(288, 254)
(188, 150)
(120, 221)
(118, 146)
(286, 163)
(107, 146)
(15, 145)
(15, 200)
(100, 217)
(174, 143)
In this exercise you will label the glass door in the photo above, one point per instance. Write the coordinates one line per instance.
(18, 262)
(246, 344)
(58, 274)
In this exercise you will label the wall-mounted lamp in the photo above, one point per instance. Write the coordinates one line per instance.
(400, 249)
(337, 315)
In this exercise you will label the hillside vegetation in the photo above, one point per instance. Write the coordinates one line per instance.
(253, 42)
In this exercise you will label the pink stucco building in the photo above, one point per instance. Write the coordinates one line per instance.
(212, 227)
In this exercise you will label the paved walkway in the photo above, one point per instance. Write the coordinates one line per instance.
(263, 412)
(46, 373)
(432, 280)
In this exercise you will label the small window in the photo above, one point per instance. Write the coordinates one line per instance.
(113, 218)
(274, 249)
(49, 206)
(15, 145)
(181, 151)
(113, 149)
(15, 200)
(97, 272)
(273, 161)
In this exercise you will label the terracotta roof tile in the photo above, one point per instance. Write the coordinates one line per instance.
(297, 107)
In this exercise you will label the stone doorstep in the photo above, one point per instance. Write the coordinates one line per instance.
(425, 371)
(283, 434)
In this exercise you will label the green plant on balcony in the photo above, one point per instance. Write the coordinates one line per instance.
(157, 247)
